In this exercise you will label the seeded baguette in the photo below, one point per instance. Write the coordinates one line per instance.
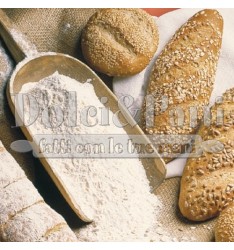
(185, 73)
(119, 42)
(207, 184)
(224, 228)
(24, 216)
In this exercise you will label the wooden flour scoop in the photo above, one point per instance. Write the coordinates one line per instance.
(33, 69)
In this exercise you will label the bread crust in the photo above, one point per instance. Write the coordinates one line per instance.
(24, 215)
(184, 73)
(119, 42)
(224, 228)
(207, 184)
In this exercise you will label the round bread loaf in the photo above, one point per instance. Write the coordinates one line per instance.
(119, 42)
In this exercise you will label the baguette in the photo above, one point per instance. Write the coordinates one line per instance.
(224, 228)
(184, 73)
(207, 184)
(24, 216)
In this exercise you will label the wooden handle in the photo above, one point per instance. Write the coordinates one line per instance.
(6, 31)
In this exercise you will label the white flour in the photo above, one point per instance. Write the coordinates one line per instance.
(115, 192)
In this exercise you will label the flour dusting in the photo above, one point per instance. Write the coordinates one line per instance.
(6, 64)
(27, 47)
(6, 67)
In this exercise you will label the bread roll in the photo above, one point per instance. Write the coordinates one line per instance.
(17, 196)
(207, 184)
(119, 42)
(224, 228)
(184, 73)
(24, 216)
(60, 233)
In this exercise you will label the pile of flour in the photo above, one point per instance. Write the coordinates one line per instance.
(114, 192)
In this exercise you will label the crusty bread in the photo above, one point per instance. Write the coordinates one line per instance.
(24, 216)
(224, 228)
(184, 73)
(119, 42)
(207, 184)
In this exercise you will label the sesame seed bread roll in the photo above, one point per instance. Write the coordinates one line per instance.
(119, 42)
(207, 184)
(24, 216)
(224, 228)
(184, 73)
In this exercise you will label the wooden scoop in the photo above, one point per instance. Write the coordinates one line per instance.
(33, 69)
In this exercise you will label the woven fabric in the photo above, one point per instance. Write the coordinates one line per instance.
(59, 30)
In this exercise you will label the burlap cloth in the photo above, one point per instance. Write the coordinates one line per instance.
(59, 30)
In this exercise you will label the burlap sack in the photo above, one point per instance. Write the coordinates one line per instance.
(59, 30)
